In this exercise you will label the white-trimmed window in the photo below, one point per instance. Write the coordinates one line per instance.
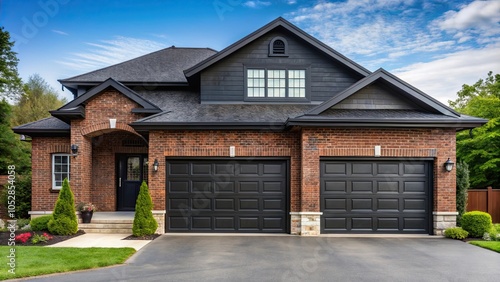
(60, 169)
(276, 83)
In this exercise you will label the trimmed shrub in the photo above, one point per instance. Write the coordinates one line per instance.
(456, 233)
(462, 187)
(493, 234)
(64, 221)
(40, 223)
(476, 223)
(144, 222)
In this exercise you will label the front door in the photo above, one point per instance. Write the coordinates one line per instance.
(132, 170)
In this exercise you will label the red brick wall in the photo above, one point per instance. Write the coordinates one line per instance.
(409, 143)
(164, 144)
(42, 148)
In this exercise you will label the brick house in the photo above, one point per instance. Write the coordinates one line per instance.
(276, 133)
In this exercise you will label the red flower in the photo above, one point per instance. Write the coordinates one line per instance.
(23, 238)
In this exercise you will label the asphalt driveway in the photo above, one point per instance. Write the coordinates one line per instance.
(292, 258)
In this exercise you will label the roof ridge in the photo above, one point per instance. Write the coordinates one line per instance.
(136, 58)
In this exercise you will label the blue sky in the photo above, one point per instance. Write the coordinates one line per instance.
(436, 45)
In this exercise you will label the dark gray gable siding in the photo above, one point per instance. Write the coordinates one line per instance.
(376, 97)
(225, 80)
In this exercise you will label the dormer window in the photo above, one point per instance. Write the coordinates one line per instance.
(278, 47)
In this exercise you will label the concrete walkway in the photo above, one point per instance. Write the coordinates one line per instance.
(102, 241)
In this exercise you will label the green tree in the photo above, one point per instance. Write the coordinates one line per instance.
(64, 221)
(480, 147)
(462, 188)
(144, 222)
(10, 83)
(35, 102)
(12, 150)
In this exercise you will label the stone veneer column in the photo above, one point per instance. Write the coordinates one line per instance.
(443, 220)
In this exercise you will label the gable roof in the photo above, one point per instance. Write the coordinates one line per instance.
(75, 107)
(413, 94)
(265, 29)
(162, 67)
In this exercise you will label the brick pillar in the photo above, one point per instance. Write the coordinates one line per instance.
(156, 182)
(445, 209)
(81, 166)
(307, 221)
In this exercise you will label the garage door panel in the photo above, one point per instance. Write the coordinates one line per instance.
(362, 204)
(375, 196)
(335, 204)
(225, 169)
(178, 223)
(415, 186)
(201, 204)
(335, 224)
(361, 223)
(227, 196)
(201, 187)
(362, 168)
(201, 169)
(224, 223)
(225, 205)
(388, 187)
(178, 186)
(272, 169)
(414, 169)
(249, 169)
(273, 223)
(387, 169)
(178, 204)
(249, 223)
(248, 204)
(388, 204)
(388, 223)
(414, 204)
(249, 187)
(273, 205)
(224, 187)
(272, 186)
(201, 222)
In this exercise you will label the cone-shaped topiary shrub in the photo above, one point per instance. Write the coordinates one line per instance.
(476, 223)
(144, 222)
(64, 221)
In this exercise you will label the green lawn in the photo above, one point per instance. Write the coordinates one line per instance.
(491, 245)
(32, 261)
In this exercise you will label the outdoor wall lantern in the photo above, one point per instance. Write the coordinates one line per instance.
(156, 164)
(74, 150)
(448, 165)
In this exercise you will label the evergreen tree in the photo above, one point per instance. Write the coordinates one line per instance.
(64, 221)
(144, 222)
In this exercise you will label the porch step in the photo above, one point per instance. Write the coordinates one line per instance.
(107, 226)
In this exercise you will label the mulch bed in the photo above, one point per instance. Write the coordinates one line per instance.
(4, 238)
(145, 237)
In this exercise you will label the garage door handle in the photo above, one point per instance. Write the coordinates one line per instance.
(119, 182)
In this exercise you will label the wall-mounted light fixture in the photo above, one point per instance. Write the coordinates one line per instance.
(156, 164)
(74, 150)
(448, 165)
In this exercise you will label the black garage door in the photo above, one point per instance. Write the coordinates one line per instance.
(227, 195)
(375, 196)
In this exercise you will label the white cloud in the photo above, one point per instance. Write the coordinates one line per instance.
(109, 52)
(59, 32)
(444, 77)
(291, 2)
(256, 4)
(477, 15)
